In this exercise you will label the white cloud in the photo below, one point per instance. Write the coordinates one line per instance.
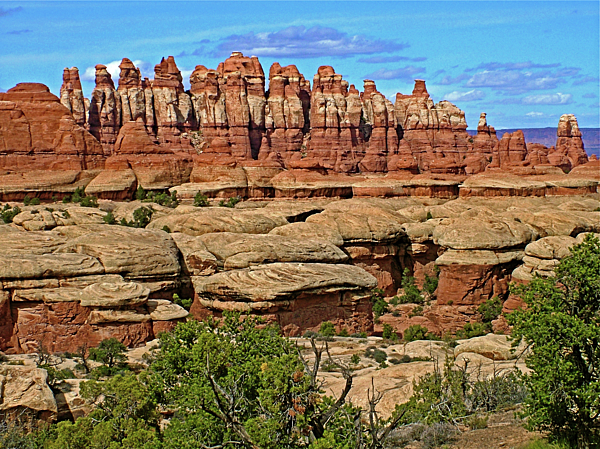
(471, 95)
(535, 114)
(113, 69)
(557, 98)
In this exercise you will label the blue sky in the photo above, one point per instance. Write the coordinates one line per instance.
(524, 63)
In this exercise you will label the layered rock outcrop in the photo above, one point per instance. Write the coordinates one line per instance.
(228, 135)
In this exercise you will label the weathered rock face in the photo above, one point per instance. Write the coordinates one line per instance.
(105, 110)
(82, 284)
(25, 389)
(435, 133)
(71, 95)
(38, 133)
(569, 142)
(298, 296)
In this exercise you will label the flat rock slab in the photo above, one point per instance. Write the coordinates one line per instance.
(236, 251)
(26, 387)
(114, 294)
(128, 251)
(282, 281)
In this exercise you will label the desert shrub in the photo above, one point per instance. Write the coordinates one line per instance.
(200, 200)
(310, 334)
(231, 202)
(327, 329)
(502, 389)
(140, 194)
(490, 309)
(380, 306)
(429, 216)
(111, 353)
(166, 229)
(355, 359)
(471, 330)
(431, 282)
(561, 323)
(359, 335)
(475, 422)
(164, 199)
(343, 332)
(417, 332)
(185, 303)
(411, 295)
(389, 333)
(89, 201)
(416, 311)
(9, 213)
(109, 218)
(376, 354)
(141, 218)
(395, 301)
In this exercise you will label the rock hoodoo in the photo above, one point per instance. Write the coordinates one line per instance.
(229, 132)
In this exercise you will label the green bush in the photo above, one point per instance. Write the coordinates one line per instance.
(109, 218)
(376, 354)
(185, 303)
(231, 202)
(327, 329)
(141, 218)
(164, 199)
(200, 200)
(490, 309)
(471, 330)
(89, 201)
(355, 359)
(431, 282)
(111, 353)
(418, 332)
(429, 216)
(343, 332)
(166, 229)
(9, 213)
(411, 295)
(416, 311)
(561, 324)
(140, 194)
(389, 333)
(380, 306)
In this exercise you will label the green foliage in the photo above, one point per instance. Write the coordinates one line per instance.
(231, 202)
(255, 373)
(411, 295)
(355, 359)
(389, 333)
(166, 229)
(109, 218)
(56, 376)
(429, 216)
(376, 354)
(80, 197)
(89, 201)
(110, 352)
(418, 332)
(431, 282)
(327, 329)
(141, 218)
(343, 332)
(562, 325)
(125, 417)
(185, 303)
(162, 198)
(380, 306)
(9, 213)
(416, 311)
(471, 330)
(490, 309)
(140, 193)
(200, 200)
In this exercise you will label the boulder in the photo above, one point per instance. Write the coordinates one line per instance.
(26, 388)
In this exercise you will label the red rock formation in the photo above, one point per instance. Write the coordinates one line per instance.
(71, 95)
(378, 114)
(133, 99)
(105, 110)
(569, 143)
(436, 134)
(287, 116)
(38, 133)
(485, 144)
(512, 151)
(173, 112)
